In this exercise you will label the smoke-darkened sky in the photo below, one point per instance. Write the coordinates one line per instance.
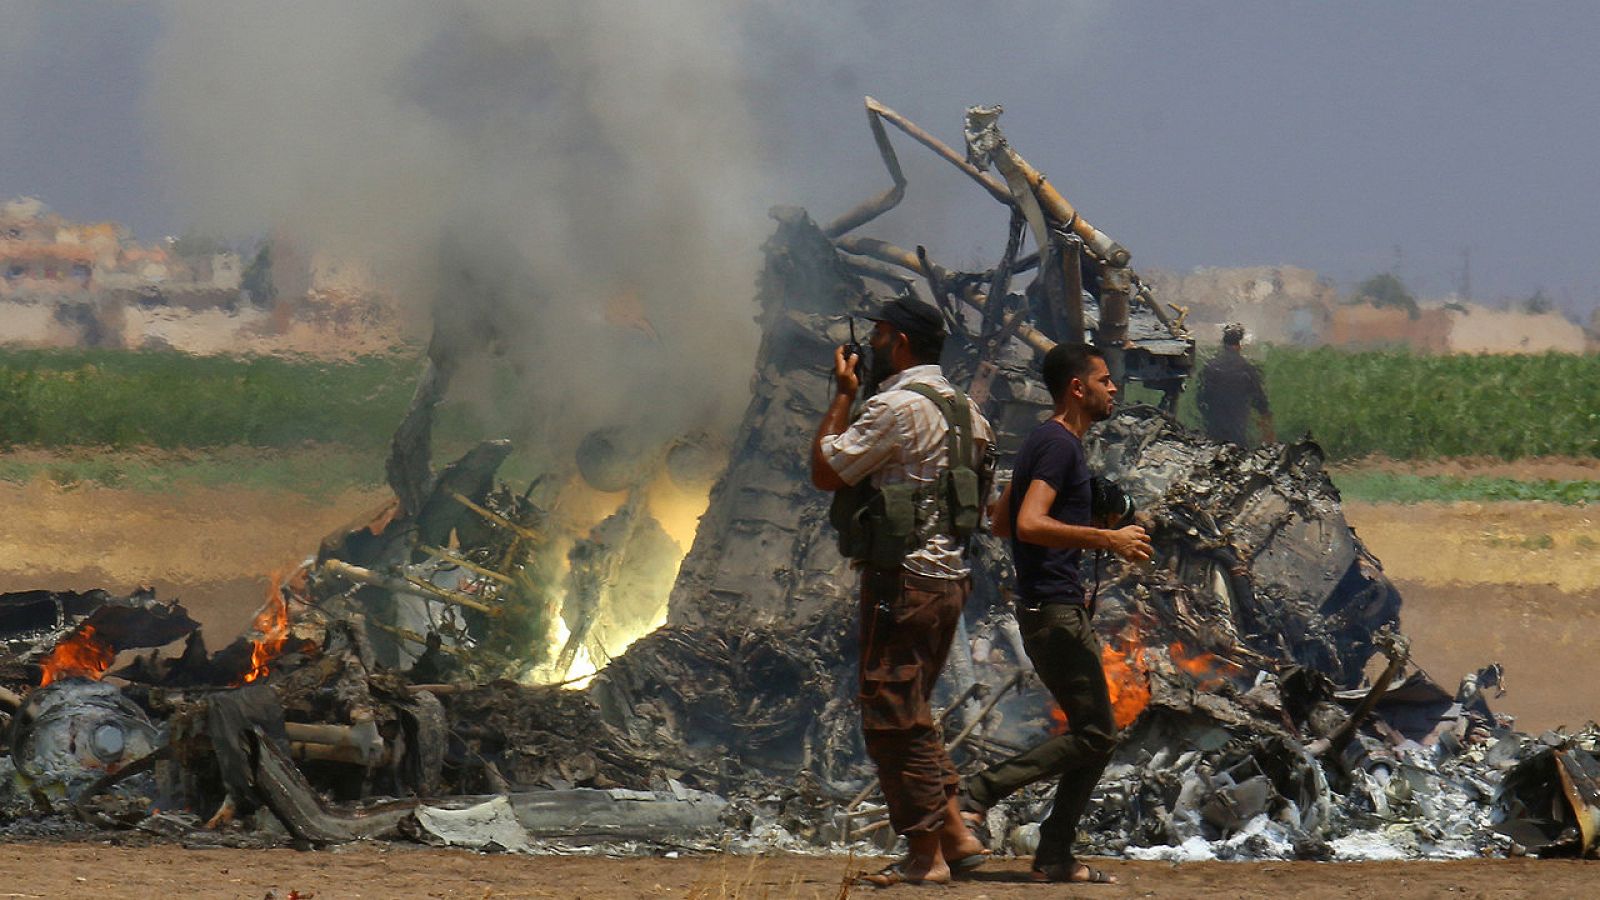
(1350, 137)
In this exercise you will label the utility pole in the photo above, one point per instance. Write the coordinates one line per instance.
(1465, 288)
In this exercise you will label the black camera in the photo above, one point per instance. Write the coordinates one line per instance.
(1109, 505)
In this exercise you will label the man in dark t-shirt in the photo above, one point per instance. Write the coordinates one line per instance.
(1046, 513)
(1054, 455)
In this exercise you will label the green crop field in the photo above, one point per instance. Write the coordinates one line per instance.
(1394, 404)
(154, 421)
(1395, 487)
(1407, 406)
(62, 399)
(90, 398)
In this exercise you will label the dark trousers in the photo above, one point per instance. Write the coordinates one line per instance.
(1066, 656)
(907, 623)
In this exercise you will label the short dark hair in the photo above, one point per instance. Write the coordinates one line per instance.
(925, 348)
(922, 325)
(1065, 362)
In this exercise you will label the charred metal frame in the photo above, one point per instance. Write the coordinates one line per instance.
(1058, 229)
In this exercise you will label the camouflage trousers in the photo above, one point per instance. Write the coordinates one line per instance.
(907, 624)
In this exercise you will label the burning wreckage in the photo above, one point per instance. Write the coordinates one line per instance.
(431, 674)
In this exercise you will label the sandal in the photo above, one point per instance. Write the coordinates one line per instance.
(964, 864)
(978, 824)
(1062, 873)
(893, 874)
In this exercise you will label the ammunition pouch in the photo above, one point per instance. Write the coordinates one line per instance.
(960, 488)
(879, 526)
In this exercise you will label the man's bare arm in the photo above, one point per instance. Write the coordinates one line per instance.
(1036, 526)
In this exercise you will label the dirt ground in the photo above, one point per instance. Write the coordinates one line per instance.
(92, 870)
(1508, 543)
(213, 549)
(1515, 583)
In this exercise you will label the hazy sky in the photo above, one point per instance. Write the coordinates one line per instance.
(1349, 137)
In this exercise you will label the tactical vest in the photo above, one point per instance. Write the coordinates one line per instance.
(879, 526)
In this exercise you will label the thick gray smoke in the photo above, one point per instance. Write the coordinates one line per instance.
(581, 176)
(1197, 134)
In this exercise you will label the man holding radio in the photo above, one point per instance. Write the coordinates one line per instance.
(907, 496)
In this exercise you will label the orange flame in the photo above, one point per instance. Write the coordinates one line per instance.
(80, 656)
(1127, 683)
(1207, 670)
(1059, 717)
(1128, 677)
(272, 623)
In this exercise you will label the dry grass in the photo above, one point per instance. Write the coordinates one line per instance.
(1484, 543)
(753, 878)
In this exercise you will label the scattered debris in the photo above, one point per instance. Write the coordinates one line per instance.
(430, 674)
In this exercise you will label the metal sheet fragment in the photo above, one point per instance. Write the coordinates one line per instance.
(490, 825)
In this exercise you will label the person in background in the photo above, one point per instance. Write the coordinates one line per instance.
(1230, 388)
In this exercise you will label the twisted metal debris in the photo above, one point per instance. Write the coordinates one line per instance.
(1238, 653)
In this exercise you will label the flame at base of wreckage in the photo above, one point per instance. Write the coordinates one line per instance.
(80, 655)
(633, 657)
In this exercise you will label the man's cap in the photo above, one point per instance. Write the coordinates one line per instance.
(1233, 333)
(910, 316)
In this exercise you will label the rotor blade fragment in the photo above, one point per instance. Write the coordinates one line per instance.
(889, 199)
(932, 143)
(987, 146)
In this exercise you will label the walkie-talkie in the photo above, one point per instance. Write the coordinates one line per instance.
(854, 348)
(863, 371)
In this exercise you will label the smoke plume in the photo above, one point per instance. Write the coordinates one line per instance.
(573, 182)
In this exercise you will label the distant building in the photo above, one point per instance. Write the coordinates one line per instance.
(227, 271)
(1292, 306)
(341, 276)
(1477, 329)
(1277, 304)
(71, 284)
(44, 254)
(29, 266)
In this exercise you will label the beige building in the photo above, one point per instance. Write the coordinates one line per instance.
(70, 284)
(1476, 329)
(1276, 304)
(1293, 306)
(1361, 326)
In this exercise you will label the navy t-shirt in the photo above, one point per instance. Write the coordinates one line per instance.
(1054, 455)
